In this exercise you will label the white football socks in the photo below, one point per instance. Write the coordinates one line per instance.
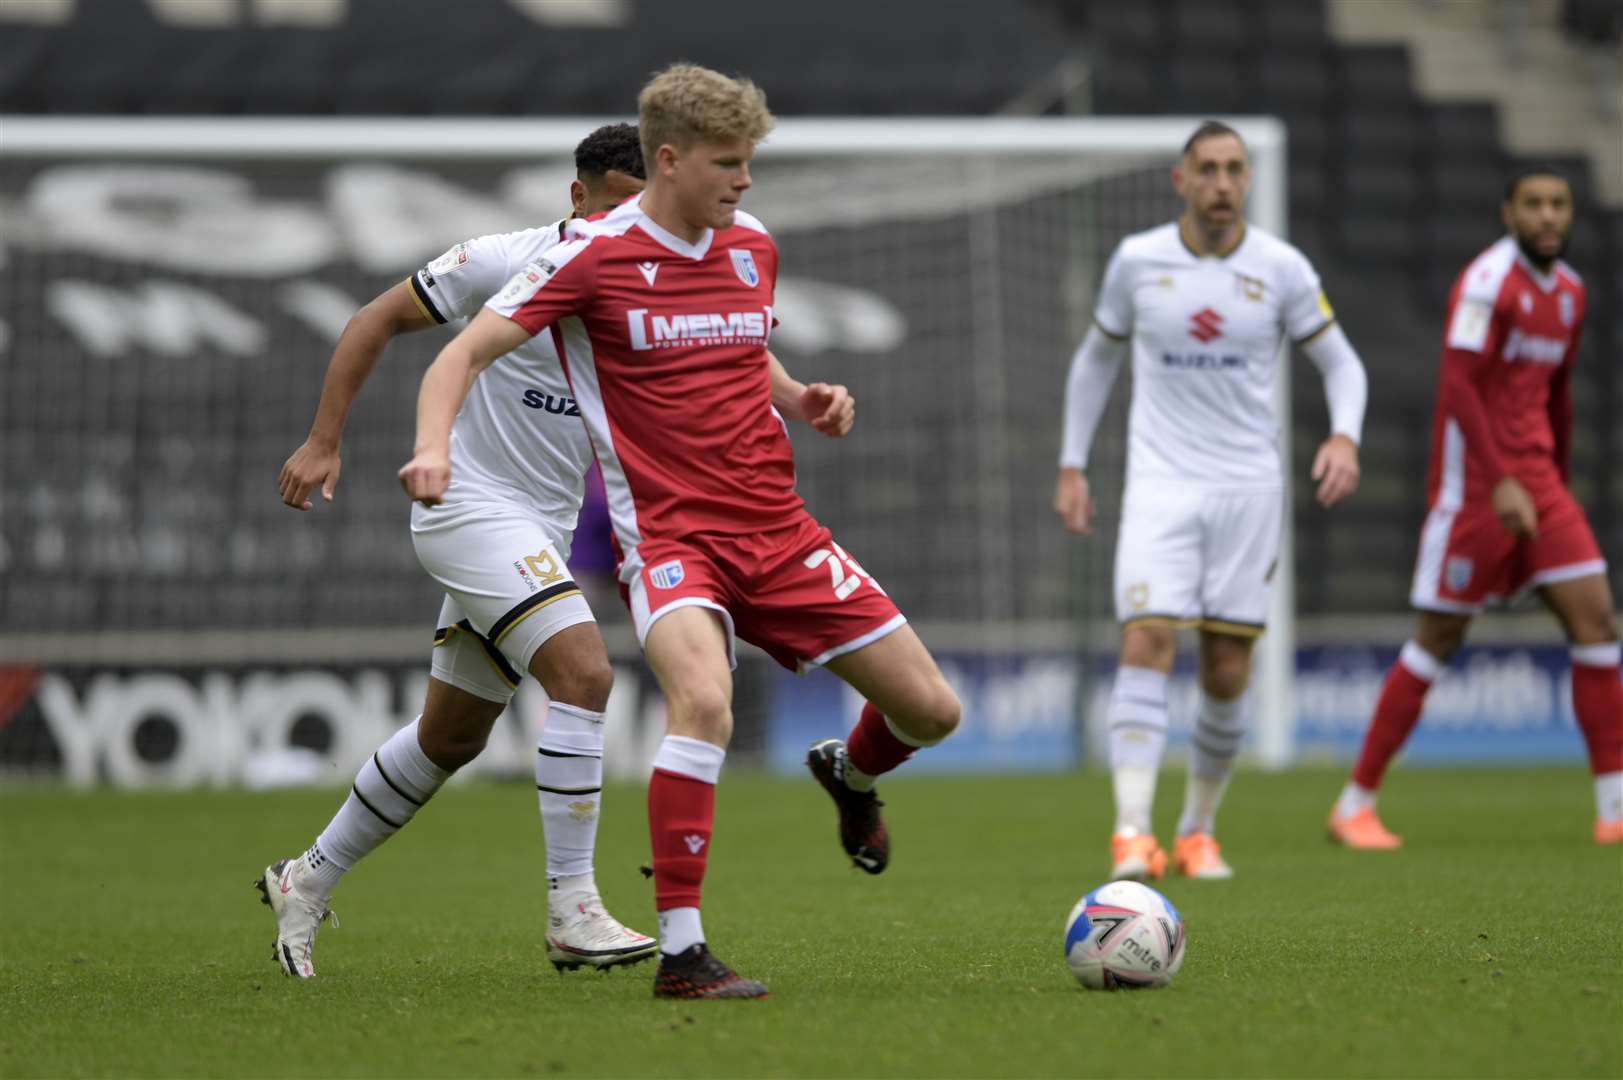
(1609, 796)
(1219, 730)
(391, 787)
(679, 930)
(569, 786)
(1138, 735)
(1354, 799)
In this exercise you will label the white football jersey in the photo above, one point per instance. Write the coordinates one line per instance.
(1206, 334)
(519, 438)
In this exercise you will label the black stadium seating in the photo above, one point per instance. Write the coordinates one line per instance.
(1390, 195)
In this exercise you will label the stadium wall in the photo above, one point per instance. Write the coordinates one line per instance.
(1040, 710)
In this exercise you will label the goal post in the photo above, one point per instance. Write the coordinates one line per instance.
(199, 269)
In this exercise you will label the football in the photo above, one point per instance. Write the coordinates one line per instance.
(1124, 936)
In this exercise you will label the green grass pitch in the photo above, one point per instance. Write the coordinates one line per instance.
(132, 942)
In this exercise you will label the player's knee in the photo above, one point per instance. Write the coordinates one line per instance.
(1441, 636)
(938, 715)
(1596, 627)
(585, 684)
(703, 710)
(452, 741)
(1149, 645)
(1226, 680)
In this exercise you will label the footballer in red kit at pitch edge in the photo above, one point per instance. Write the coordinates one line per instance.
(1526, 323)
(1501, 518)
(648, 324)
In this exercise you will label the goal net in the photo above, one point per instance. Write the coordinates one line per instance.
(175, 288)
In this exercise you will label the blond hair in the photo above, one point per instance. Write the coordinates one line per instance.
(686, 104)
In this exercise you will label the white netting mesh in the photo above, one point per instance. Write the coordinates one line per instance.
(167, 323)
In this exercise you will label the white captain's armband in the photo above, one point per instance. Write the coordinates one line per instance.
(451, 261)
(1469, 328)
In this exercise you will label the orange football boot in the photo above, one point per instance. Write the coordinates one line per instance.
(1362, 830)
(1199, 856)
(1609, 832)
(1136, 857)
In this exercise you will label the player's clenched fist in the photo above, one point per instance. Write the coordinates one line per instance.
(829, 408)
(1072, 502)
(426, 476)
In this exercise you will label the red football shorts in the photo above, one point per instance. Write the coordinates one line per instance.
(793, 592)
(1467, 559)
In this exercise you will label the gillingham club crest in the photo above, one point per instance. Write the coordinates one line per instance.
(667, 575)
(1457, 573)
(744, 266)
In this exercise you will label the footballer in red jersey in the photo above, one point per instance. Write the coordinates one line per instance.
(661, 311)
(1501, 518)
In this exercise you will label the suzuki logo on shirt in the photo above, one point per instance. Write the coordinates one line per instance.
(1205, 325)
(649, 331)
(558, 406)
(1534, 347)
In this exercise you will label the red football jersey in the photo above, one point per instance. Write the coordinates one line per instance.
(1523, 327)
(664, 343)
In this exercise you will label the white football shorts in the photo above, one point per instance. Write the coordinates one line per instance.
(1198, 558)
(507, 590)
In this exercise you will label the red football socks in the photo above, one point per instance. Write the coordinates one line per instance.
(1397, 711)
(681, 812)
(1597, 699)
(872, 747)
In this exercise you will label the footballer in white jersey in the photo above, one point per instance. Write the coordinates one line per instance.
(518, 440)
(498, 548)
(498, 543)
(1203, 305)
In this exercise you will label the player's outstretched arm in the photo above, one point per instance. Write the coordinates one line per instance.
(368, 331)
(1087, 390)
(1346, 390)
(445, 386)
(827, 407)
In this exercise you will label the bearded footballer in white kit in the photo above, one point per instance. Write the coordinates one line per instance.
(1203, 305)
(498, 542)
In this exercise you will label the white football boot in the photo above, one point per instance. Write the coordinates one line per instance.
(581, 934)
(298, 917)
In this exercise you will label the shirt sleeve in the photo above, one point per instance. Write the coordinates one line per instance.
(772, 279)
(1476, 320)
(1346, 385)
(1087, 390)
(1113, 309)
(454, 285)
(1307, 311)
(549, 288)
